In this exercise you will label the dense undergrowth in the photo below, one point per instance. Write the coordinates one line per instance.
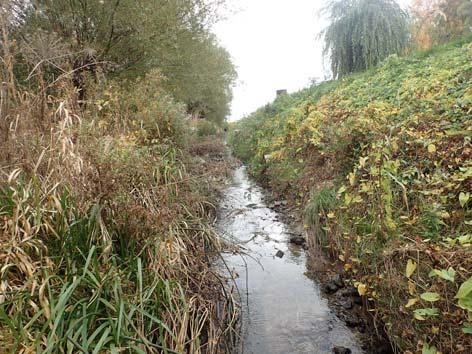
(105, 224)
(382, 163)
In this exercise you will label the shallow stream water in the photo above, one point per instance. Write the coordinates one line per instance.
(283, 310)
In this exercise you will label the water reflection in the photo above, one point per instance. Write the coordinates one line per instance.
(283, 311)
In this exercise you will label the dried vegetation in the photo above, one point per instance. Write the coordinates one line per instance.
(106, 237)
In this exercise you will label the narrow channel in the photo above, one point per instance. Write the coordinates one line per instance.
(283, 310)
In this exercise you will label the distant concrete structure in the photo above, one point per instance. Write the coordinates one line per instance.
(281, 92)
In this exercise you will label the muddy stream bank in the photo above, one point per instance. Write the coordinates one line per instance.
(283, 310)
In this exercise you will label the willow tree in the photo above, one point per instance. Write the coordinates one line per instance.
(362, 33)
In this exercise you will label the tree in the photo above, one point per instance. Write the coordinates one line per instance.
(362, 33)
(439, 21)
(129, 38)
(205, 81)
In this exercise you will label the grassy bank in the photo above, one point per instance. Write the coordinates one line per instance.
(106, 234)
(381, 163)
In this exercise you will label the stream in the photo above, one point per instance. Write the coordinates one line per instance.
(283, 310)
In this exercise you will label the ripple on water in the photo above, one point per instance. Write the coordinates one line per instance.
(284, 311)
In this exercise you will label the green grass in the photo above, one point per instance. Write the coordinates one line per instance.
(319, 205)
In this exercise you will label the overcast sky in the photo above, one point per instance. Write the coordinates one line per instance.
(273, 44)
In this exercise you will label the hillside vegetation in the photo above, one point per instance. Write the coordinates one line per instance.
(381, 162)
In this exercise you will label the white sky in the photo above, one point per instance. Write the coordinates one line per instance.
(274, 46)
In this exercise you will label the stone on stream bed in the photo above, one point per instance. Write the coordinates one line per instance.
(347, 304)
(334, 284)
(341, 350)
(296, 239)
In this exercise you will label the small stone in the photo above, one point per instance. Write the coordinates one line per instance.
(297, 240)
(347, 304)
(341, 350)
(357, 300)
(331, 288)
(353, 321)
(338, 281)
(349, 291)
(279, 254)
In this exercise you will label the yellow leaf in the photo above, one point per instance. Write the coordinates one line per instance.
(362, 161)
(347, 199)
(411, 287)
(431, 148)
(352, 178)
(358, 199)
(331, 215)
(394, 146)
(419, 317)
(361, 289)
(434, 330)
(411, 302)
(410, 268)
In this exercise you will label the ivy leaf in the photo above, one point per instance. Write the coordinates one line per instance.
(467, 328)
(466, 303)
(464, 198)
(431, 297)
(448, 274)
(422, 314)
(465, 295)
(410, 268)
(465, 289)
(429, 350)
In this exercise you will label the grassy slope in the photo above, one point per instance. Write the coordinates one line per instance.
(382, 162)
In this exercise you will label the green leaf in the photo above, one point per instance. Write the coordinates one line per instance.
(422, 314)
(429, 350)
(464, 198)
(466, 303)
(410, 268)
(431, 297)
(467, 328)
(465, 289)
(448, 274)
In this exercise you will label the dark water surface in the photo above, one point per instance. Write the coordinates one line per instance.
(283, 310)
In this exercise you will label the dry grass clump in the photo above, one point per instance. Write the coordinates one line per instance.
(105, 236)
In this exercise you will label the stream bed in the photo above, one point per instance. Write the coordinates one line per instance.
(283, 310)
